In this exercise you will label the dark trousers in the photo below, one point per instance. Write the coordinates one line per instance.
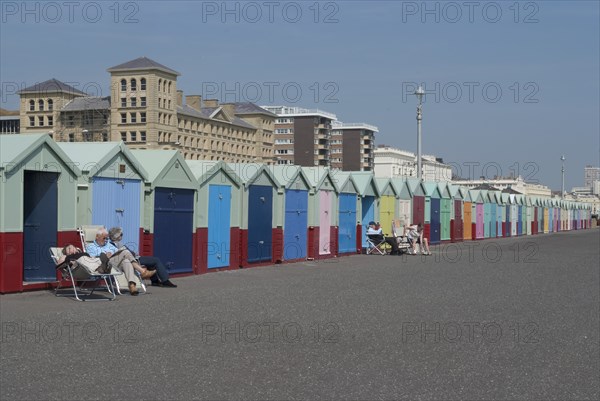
(389, 240)
(153, 263)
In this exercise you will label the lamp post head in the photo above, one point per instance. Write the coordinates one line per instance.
(419, 93)
(562, 158)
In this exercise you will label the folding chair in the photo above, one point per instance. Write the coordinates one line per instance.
(77, 272)
(375, 243)
(401, 240)
(88, 235)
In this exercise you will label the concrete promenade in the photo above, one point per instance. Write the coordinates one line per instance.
(502, 319)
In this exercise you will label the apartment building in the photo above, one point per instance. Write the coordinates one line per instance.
(352, 146)
(302, 136)
(394, 162)
(147, 111)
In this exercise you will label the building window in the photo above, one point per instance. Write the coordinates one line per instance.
(50, 120)
(105, 137)
(31, 105)
(71, 137)
(133, 102)
(142, 117)
(123, 118)
(133, 136)
(143, 101)
(124, 136)
(40, 105)
(123, 102)
(123, 85)
(50, 104)
(133, 84)
(70, 121)
(133, 118)
(169, 104)
(143, 136)
(159, 85)
(32, 121)
(41, 121)
(143, 84)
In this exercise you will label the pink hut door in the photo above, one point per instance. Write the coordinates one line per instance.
(325, 222)
(479, 221)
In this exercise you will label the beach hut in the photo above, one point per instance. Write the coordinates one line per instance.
(368, 193)
(528, 230)
(217, 237)
(432, 229)
(296, 187)
(38, 195)
(418, 194)
(545, 204)
(388, 205)
(261, 239)
(110, 189)
(446, 211)
(348, 222)
(169, 197)
(405, 201)
(322, 213)
(456, 222)
(477, 214)
(467, 215)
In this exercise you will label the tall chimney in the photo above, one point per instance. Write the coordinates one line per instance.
(179, 97)
(211, 103)
(194, 101)
(229, 109)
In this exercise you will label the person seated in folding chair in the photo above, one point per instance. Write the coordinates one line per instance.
(71, 253)
(161, 278)
(119, 259)
(375, 234)
(415, 236)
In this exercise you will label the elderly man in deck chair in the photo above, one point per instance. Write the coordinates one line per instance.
(120, 259)
(376, 233)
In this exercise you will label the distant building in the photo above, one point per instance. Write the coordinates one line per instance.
(302, 136)
(352, 146)
(393, 162)
(10, 125)
(590, 175)
(516, 184)
(147, 111)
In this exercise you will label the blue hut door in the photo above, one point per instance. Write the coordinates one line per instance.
(219, 225)
(435, 234)
(260, 221)
(173, 228)
(347, 229)
(520, 221)
(296, 224)
(368, 215)
(40, 223)
(116, 203)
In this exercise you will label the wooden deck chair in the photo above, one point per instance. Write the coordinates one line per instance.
(398, 233)
(83, 271)
(88, 235)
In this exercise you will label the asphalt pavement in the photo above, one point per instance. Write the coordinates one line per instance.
(502, 319)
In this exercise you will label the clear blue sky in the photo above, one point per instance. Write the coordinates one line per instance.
(357, 59)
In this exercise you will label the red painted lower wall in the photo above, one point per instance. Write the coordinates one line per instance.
(358, 238)
(335, 251)
(277, 245)
(11, 262)
(243, 241)
(312, 248)
(146, 243)
(473, 231)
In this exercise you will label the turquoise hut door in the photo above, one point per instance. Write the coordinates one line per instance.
(116, 203)
(219, 222)
(368, 215)
(40, 223)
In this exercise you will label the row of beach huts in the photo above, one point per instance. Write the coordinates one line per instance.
(201, 216)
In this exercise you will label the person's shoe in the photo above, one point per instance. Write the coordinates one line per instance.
(132, 290)
(146, 274)
(168, 284)
(156, 284)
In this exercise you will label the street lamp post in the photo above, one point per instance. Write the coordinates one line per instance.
(419, 93)
(562, 188)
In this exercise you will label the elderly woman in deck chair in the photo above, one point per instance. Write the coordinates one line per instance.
(121, 259)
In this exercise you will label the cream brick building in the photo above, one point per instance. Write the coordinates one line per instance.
(147, 111)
